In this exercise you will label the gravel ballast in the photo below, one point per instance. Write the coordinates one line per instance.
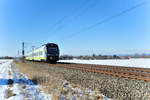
(114, 87)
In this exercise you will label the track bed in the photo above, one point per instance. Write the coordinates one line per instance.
(116, 82)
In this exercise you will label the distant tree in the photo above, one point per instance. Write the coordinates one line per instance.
(136, 55)
(99, 55)
(114, 56)
(65, 57)
(93, 55)
(143, 55)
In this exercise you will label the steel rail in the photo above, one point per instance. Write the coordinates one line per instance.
(122, 67)
(113, 72)
(118, 71)
(116, 67)
(107, 73)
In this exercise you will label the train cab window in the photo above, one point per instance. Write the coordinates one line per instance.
(51, 49)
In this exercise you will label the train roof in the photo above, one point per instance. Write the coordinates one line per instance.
(47, 44)
(51, 44)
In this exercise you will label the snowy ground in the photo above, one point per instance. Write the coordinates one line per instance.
(130, 63)
(15, 86)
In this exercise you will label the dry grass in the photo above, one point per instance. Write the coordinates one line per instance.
(50, 83)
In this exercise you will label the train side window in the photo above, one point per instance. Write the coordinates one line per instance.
(41, 52)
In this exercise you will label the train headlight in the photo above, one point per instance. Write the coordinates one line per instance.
(51, 58)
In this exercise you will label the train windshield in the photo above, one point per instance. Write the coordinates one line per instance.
(52, 49)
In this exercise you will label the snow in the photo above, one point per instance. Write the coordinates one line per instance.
(78, 93)
(21, 88)
(144, 63)
(14, 85)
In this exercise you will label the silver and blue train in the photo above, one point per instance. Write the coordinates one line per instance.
(48, 52)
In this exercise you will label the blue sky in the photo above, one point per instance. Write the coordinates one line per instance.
(36, 22)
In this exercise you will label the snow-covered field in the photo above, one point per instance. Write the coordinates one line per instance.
(123, 62)
(15, 86)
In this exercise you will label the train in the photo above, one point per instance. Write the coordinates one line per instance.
(48, 52)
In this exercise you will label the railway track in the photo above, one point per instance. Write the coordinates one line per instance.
(119, 71)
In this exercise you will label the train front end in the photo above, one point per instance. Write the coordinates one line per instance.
(52, 52)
